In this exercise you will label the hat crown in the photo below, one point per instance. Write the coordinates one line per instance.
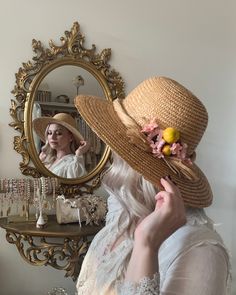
(172, 105)
(66, 118)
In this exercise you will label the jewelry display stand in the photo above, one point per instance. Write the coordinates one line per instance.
(24, 193)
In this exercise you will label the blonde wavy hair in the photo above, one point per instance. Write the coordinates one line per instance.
(135, 194)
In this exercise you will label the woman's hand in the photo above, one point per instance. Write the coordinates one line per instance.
(42, 156)
(168, 216)
(83, 148)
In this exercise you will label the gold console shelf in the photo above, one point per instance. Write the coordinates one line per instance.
(41, 246)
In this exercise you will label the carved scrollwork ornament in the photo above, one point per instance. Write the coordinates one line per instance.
(71, 52)
(67, 255)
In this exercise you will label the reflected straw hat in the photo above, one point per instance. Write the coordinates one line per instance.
(156, 130)
(63, 119)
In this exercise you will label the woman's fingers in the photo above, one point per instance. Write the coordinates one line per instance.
(159, 201)
(169, 196)
(84, 145)
(168, 216)
(82, 142)
(168, 185)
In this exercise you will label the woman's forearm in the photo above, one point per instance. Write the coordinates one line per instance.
(143, 263)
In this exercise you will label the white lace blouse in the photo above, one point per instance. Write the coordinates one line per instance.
(192, 261)
(70, 166)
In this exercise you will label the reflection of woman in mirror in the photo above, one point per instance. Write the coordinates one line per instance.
(64, 146)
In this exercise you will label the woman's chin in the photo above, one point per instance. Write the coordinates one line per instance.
(53, 145)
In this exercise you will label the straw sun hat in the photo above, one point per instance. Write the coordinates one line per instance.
(63, 119)
(126, 125)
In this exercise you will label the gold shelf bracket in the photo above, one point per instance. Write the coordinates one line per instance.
(39, 251)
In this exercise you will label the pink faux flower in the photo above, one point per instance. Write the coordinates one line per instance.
(183, 152)
(157, 147)
(150, 127)
(156, 142)
(153, 133)
(176, 148)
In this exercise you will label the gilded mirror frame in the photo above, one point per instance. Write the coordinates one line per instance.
(29, 76)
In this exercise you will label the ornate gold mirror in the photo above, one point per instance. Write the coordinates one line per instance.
(47, 85)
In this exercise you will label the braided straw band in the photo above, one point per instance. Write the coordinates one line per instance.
(180, 167)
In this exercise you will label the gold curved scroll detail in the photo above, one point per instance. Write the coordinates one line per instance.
(67, 256)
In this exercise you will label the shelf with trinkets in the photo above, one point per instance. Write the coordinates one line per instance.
(50, 108)
(59, 242)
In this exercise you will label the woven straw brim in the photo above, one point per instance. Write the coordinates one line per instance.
(102, 118)
(40, 125)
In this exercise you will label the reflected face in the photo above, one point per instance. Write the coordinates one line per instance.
(59, 138)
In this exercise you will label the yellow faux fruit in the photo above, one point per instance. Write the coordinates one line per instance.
(166, 150)
(171, 135)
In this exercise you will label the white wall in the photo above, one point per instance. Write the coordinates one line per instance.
(191, 41)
